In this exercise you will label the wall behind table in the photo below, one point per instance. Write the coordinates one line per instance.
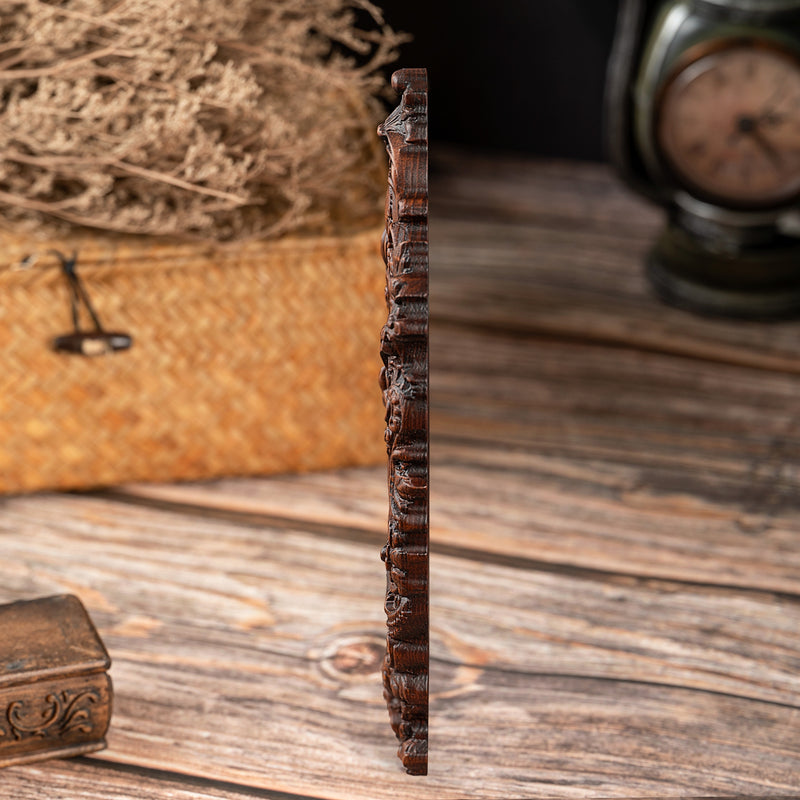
(515, 75)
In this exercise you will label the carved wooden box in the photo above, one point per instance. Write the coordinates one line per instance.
(55, 693)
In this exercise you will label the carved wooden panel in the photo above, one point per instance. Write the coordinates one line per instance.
(404, 381)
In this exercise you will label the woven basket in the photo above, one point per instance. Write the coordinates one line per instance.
(259, 358)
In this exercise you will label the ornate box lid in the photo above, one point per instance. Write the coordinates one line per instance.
(48, 638)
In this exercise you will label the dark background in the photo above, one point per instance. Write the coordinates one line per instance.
(513, 75)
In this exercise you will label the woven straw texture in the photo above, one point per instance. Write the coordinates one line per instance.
(258, 358)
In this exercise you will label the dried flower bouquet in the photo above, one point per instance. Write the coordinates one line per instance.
(222, 119)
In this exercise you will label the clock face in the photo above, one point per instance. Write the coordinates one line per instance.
(728, 125)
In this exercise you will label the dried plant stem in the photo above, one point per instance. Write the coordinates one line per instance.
(52, 209)
(63, 66)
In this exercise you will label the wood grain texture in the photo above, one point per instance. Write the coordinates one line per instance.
(91, 779)
(263, 657)
(545, 249)
(404, 383)
(615, 580)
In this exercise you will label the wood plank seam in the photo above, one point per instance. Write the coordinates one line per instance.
(366, 535)
(194, 781)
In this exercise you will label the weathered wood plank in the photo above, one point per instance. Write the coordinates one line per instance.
(242, 656)
(555, 249)
(683, 469)
(92, 779)
(547, 193)
(550, 514)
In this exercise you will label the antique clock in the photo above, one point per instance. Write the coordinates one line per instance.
(703, 117)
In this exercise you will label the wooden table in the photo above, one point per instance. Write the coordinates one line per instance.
(616, 551)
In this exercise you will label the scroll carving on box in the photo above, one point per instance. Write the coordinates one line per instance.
(404, 381)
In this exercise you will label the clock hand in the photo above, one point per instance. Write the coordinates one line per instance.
(772, 118)
(749, 126)
(768, 148)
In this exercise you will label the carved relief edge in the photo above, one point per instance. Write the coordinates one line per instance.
(56, 715)
(61, 717)
(404, 381)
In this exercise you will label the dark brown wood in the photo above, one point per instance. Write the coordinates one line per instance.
(55, 695)
(404, 381)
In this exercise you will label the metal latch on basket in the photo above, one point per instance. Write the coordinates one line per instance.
(96, 342)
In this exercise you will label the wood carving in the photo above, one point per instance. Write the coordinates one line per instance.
(55, 694)
(404, 381)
